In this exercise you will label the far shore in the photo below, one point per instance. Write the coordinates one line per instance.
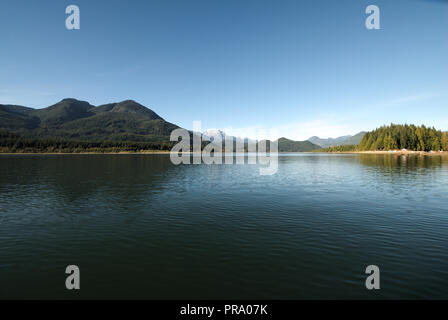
(155, 152)
(394, 152)
(85, 153)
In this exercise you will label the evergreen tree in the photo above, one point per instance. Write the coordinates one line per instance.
(406, 136)
(420, 141)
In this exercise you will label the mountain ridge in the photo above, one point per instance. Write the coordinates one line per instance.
(339, 141)
(288, 145)
(76, 119)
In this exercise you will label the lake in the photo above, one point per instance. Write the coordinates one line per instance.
(140, 227)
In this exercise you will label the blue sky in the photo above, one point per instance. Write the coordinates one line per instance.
(296, 68)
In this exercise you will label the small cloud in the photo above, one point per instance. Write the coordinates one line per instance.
(409, 99)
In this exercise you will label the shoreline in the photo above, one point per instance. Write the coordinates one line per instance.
(395, 152)
(154, 152)
(83, 153)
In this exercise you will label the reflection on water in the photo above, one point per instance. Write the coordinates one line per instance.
(406, 162)
(140, 227)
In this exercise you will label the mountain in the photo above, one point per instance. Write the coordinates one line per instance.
(327, 142)
(340, 141)
(17, 117)
(126, 121)
(63, 112)
(128, 107)
(356, 139)
(286, 145)
(213, 134)
(75, 119)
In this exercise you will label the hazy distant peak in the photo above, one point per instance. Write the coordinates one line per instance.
(213, 134)
(343, 140)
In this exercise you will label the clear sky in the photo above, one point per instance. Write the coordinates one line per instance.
(301, 68)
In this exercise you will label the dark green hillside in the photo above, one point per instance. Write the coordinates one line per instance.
(71, 119)
(129, 107)
(17, 118)
(16, 109)
(13, 143)
(118, 126)
(286, 145)
(63, 112)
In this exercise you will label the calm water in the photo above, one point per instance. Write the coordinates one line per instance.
(140, 227)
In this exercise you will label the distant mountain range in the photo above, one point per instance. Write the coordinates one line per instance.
(213, 134)
(340, 141)
(284, 144)
(72, 119)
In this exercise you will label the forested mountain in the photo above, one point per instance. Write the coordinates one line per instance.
(72, 119)
(286, 145)
(411, 137)
(74, 125)
(340, 141)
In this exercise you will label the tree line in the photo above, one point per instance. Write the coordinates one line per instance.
(342, 148)
(13, 143)
(410, 137)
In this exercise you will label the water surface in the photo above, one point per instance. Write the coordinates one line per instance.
(140, 227)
